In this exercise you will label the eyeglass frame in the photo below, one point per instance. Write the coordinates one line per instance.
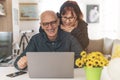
(52, 23)
(68, 18)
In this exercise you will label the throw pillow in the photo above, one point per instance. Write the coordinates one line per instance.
(107, 46)
(116, 49)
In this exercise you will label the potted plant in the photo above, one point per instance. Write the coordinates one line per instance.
(93, 63)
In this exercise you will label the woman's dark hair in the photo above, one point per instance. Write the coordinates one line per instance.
(74, 6)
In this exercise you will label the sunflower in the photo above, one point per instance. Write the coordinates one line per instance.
(83, 54)
(89, 64)
(79, 62)
(93, 59)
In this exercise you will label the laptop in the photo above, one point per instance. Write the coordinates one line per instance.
(50, 64)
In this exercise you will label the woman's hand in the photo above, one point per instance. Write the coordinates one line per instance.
(22, 63)
(69, 28)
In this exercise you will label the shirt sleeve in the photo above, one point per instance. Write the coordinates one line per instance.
(30, 47)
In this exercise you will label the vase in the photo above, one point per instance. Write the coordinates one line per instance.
(93, 73)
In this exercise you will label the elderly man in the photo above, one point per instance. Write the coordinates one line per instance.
(51, 38)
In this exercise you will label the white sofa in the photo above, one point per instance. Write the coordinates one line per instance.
(105, 45)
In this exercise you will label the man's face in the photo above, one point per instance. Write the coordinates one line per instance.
(49, 24)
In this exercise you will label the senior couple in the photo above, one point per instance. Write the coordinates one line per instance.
(52, 37)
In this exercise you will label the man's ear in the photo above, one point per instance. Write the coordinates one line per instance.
(58, 21)
(41, 25)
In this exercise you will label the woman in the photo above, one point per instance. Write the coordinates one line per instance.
(72, 21)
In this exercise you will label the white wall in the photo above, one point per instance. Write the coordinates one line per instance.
(119, 20)
(111, 14)
(15, 20)
(29, 25)
(108, 25)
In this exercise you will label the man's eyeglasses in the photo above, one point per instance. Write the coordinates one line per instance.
(68, 18)
(52, 23)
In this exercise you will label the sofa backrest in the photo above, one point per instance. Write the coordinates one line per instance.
(95, 45)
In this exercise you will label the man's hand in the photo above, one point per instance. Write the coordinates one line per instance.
(22, 63)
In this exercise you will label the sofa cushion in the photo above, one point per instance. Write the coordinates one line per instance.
(116, 49)
(95, 45)
(107, 45)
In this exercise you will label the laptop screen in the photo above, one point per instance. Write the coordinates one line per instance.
(51, 64)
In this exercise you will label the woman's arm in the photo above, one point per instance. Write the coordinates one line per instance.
(81, 33)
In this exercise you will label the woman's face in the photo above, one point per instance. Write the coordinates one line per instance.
(69, 18)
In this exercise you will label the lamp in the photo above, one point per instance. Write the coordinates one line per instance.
(15, 48)
(14, 51)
